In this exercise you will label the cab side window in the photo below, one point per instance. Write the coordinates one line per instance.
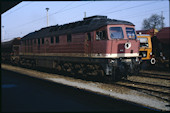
(101, 35)
(38, 41)
(69, 38)
(42, 40)
(52, 40)
(34, 41)
(89, 36)
(57, 39)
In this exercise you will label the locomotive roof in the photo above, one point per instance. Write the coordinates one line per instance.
(86, 25)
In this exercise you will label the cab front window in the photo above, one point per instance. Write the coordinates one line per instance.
(143, 42)
(130, 33)
(116, 33)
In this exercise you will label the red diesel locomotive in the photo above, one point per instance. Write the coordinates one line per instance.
(95, 44)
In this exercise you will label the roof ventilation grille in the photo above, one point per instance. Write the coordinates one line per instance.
(95, 17)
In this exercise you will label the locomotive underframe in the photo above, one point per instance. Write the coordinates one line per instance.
(111, 66)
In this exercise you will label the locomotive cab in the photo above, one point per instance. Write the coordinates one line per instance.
(119, 45)
(124, 48)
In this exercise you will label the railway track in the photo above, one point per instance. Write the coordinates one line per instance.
(166, 77)
(157, 85)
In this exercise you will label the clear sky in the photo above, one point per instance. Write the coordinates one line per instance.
(29, 16)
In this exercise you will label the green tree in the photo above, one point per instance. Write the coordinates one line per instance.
(153, 22)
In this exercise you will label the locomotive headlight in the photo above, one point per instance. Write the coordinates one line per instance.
(127, 45)
(150, 53)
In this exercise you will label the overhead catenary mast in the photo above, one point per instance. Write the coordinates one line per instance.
(3, 34)
(162, 18)
(47, 16)
(84, 14)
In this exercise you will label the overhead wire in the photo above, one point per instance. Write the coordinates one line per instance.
(66, 6)
(78, 15)
(100, 8)
(146, 12)
(141, 5)
(60, 11)
(142, 18)
(64, 11)
(115, 7)
(23, 25)
(149, 14)
(49, 15)
(17, 9)
(70, 8)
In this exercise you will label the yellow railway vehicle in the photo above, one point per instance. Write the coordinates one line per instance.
(146, 48)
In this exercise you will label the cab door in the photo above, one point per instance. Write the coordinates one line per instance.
(99, 44)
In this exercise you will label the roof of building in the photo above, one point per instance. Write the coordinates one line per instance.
(86, 25)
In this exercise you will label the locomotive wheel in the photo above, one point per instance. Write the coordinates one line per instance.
(116, 74)
(67, 67)
(136, 70)
(33, 65)
(63, 68)
(101, 73)
(73, 69)
(59, 68)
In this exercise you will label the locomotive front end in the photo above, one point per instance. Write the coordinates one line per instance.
(122, 50)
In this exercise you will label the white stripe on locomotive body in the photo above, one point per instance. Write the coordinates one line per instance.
(119, 55)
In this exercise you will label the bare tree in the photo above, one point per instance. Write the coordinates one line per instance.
(153, 22)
